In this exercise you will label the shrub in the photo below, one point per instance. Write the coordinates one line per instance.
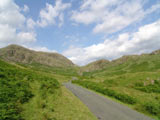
(155, 88)
(139, 84)
(98, 87)
(153, 108)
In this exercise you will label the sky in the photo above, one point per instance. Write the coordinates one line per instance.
(82, 30)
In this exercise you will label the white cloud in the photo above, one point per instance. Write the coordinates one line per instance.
(111, 15)
(61, 19)
(9, 30)
(13, 37)
(25, 8)
(146, 39)
(13, 29)
(49, 14)
(153, 8)
(28, 37)
(30, 23)
(10, 14)
(43, 49)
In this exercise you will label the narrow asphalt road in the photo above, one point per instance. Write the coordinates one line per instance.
(103, 108)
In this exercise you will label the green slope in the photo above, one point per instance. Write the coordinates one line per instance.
(18, 54)
(96, 65)
(29, 94)
(16, 89)
(53, 63)
(129, 78)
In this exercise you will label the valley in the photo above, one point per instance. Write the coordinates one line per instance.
(31, 84)
(32, 91)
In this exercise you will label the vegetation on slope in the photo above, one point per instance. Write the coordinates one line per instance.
(18, 54)
(96, 65)
(137, 76)
(52, 63)
(66, 71)
(15, 89)
(31, 94)
(69, 107)
(98, 87)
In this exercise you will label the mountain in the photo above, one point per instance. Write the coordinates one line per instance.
(96, 65)
(18, 54)
(156, 52)
(149, 60)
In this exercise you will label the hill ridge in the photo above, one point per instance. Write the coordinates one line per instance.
(104, 63)
(16, 53)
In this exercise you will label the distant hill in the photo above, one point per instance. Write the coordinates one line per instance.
(155, 52)
(18, 54)
(96, 65)
(126, 62)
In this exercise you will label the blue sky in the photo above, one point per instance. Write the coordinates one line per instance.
(82, 30)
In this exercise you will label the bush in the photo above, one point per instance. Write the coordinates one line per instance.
(155, 88)
(152, 108)
(98, 87)
(139, 84)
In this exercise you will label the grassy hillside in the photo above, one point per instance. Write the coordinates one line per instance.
(18, 54)
(30, 94)
(133, 80)
(16, 89)
(52, 63)
(96, 65)
(67, 72)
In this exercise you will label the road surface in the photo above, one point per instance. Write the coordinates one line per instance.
(103, 108)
